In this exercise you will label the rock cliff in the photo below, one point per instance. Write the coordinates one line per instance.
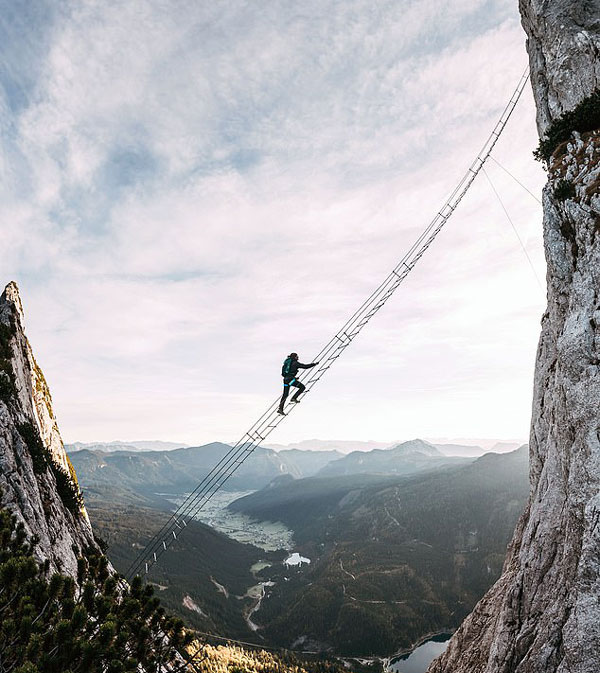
(543, 614)
(37, 481)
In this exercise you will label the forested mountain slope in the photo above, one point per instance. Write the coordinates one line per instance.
(392, 558)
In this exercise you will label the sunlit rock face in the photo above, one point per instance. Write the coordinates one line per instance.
(543, 614)
(29, 468)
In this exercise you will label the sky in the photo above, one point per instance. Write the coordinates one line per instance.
(189, 191)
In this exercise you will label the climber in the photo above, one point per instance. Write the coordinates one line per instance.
(288, 371)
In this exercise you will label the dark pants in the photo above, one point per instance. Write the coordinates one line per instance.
(286, 390)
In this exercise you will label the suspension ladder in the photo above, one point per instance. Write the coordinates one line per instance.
(265, 425)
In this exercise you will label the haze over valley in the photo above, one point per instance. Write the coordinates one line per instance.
(397, 543)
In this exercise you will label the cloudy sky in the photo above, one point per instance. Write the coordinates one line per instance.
(190, 190)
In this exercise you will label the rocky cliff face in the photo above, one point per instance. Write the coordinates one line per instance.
(563, 48)
(37, 481)
(543, 615)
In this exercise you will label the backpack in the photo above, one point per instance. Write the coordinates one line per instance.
(287, 366)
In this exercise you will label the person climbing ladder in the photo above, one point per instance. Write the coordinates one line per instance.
(288, 371)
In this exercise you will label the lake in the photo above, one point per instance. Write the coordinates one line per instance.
(419, 659)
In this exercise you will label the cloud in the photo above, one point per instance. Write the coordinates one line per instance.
(191, 194)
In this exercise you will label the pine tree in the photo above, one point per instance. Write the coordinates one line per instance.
(97, 624)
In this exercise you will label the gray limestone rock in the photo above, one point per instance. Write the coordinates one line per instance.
(32, 494)
(563, 42)
(543, 614)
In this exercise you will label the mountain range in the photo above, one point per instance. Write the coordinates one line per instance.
(403, 541)
(175, 471)
(178, 471)
(460, 447)
(392, 557)
(341, 445)
(449, 447)
(406, 458)
(141, 445)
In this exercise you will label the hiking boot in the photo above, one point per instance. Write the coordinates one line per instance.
(296, 401)
(281, 411)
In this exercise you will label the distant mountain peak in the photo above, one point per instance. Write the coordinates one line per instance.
(416, 446)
